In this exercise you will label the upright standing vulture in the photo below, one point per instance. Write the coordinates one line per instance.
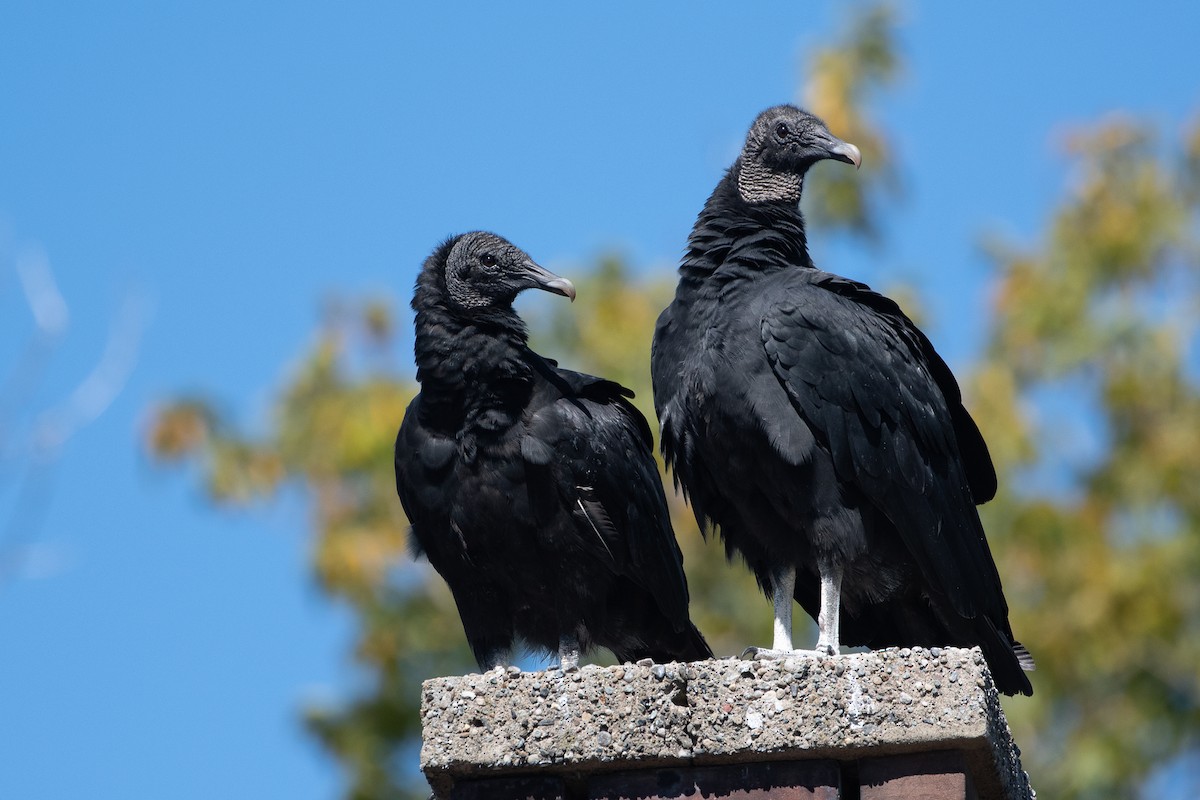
(814, 426)
(532, 489)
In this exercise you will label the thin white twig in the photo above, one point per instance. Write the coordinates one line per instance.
(53, 428)
(96, 392)
(50, 310)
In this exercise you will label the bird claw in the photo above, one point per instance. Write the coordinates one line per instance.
(763, 654)
(766, 654)
(568, 653)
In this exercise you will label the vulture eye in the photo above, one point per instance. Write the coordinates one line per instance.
(782, 131)
(488, 260)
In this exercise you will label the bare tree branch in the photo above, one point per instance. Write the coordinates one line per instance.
(37, 449)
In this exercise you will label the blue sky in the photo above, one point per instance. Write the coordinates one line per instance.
(230, 167)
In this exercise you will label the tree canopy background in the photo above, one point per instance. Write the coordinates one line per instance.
(1080, 360)
(1091, 330)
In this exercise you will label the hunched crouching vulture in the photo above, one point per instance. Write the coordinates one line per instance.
(813, 425)
(532, 489)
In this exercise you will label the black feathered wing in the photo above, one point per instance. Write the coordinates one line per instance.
(885, 406)
(423, 460)
(598, 448)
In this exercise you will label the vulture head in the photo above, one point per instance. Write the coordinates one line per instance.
(782, 144)
(481, 270)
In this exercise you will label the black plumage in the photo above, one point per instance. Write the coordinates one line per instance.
(814, 426)
(532, 489)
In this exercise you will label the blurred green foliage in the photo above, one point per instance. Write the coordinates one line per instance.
(1092, 329)
(843, 78)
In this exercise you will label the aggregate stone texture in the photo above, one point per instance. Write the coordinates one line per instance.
(649, 716)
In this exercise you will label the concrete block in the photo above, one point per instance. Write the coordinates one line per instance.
(645, 716)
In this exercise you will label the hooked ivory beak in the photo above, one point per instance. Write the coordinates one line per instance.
(543, 278)
(844, 151)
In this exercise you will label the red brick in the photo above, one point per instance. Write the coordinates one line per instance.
(777, 780)
(517, 788)
(919, 776)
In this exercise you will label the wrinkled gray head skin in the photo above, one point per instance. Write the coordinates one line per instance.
(782, 144)
(484, 270)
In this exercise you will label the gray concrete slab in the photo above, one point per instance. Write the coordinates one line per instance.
(643, 716)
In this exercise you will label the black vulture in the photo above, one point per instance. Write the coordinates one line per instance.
(532, 489)
(813, 425)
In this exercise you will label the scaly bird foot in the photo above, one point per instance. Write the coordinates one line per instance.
(766, 654)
